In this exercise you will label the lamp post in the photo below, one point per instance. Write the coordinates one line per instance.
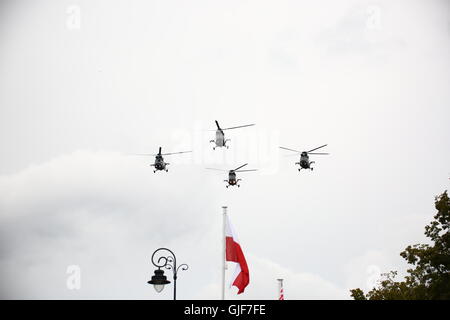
(159, 280)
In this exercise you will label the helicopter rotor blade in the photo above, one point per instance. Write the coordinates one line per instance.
(247, 125)
(218, 127)
(170, 153)
(292, 155)
(239, 167)
(217, 169)
(290, 149)
(246, 170)
(144, 154)
(318, 153)
(317, 148)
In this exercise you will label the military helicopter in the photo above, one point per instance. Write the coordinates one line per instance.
(232, 181)
(304, 157)
(160, 164)
(220, 140)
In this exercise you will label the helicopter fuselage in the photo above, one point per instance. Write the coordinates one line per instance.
(159, 163)
(232, 181)
(220, 140)
(304, 162)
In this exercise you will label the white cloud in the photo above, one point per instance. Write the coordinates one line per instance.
(263, 284)
(94, 209)
(106, 212)
(364, 271)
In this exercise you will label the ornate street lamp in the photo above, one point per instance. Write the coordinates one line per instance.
(159, 280)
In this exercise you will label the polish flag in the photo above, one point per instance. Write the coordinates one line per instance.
(280, 289)
(281, 294)
(234, 253)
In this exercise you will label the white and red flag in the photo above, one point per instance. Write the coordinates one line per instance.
(280, 289)
(233, 253)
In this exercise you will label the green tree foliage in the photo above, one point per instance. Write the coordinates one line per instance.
(429, 276)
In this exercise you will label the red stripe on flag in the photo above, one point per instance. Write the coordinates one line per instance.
(234, 254)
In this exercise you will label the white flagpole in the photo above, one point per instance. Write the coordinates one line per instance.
(224, 267)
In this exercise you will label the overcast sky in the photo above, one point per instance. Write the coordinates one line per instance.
(84, 84)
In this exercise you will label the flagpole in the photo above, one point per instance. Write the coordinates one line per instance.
(224, 266)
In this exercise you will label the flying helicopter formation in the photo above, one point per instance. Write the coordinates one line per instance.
(220, 141)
